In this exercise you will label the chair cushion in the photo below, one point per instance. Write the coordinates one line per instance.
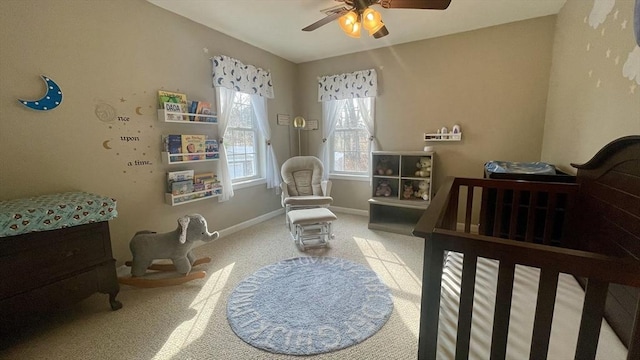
(311, 216)
(303, 175)
(308, 200)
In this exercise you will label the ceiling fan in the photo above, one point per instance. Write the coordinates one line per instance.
(358, 14)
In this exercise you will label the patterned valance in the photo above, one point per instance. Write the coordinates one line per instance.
(233, 74)
(359, 84)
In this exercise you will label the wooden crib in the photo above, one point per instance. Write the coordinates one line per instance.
(590, 229)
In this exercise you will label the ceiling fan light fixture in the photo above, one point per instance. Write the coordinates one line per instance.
(349, 24)
(371, 20)
(381, 33)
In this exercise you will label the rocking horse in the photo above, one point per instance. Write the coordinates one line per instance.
(176, 245)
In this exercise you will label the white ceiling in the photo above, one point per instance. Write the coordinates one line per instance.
(275, 25)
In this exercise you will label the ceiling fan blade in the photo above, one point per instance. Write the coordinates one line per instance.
(415, 4)
(325, 20)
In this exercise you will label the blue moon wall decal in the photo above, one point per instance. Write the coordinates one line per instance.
(51, 99)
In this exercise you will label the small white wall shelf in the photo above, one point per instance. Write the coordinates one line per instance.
(182, 199)
(172, 159)
(443, 137)
(163, 115)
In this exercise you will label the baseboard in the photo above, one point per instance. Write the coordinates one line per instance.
(245, 224)
(349, 211)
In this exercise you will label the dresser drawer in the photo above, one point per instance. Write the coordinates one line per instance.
(55, 296)
(40, 260)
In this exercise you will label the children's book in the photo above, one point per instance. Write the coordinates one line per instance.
(173, 98)
(175, 176)
(174, 146)
(212, 149)
(200, 178)
(192, 144)
(182, 187)
(193, 107)
(203, 108)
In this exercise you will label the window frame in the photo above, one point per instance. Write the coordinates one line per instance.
(349, 175)
(260, 147)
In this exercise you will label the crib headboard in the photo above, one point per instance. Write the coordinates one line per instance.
(609, 199)
(609, 220)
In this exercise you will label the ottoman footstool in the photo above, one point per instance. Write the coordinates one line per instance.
(311, 227)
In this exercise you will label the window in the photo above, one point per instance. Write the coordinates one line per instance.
(350, 141)
(242, 141)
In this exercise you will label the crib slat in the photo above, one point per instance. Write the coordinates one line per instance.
(547, 289)
(502, 310)
(591, 320)
(513, 221)
(467, 217)
(498, 213)
(430, 307)
(465, 309)
(634, 343)
(531, 217)
(482, 227)
(549, 220)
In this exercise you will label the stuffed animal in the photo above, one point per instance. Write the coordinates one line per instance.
(424, 167)
(423, 190)
(176, 245)
(408, 190)
(383, 188)
(384, 167)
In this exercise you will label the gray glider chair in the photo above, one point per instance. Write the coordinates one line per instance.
(302, 184)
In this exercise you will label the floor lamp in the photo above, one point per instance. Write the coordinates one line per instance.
(299, 123)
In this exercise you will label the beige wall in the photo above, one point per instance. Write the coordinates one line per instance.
(590, 101)
(492, 82)
(118, 52)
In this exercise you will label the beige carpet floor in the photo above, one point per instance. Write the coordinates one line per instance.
(189, 321)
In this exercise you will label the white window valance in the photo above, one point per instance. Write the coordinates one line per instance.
(232, 74)
(358, 84)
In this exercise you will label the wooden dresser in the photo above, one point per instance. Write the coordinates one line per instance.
(49, 270)
(46, 270)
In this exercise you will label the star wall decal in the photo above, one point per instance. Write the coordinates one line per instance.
(608, 53)
(623, 25)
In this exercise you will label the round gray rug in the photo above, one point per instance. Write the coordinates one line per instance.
(309, 305)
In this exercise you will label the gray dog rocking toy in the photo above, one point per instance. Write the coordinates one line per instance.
(147, 246)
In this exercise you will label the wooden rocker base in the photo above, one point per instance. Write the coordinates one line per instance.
(160, 282)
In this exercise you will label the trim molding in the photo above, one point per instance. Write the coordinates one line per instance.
(349, 210)
(245, 224)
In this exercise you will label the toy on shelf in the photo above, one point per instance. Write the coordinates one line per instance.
(407, 190)
(424, 167)
(384, 167)
(383, 189)
(423, 190)
(176, 245)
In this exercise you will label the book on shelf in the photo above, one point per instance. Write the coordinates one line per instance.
(167, 98)
(203, 108)
(193, 107)
(201, 177)
(182, 187)
(175, 176)
(192, 144)
(212, 149)
(173, 145)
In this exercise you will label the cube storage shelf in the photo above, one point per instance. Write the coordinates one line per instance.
(170, 159)
(395, 213)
